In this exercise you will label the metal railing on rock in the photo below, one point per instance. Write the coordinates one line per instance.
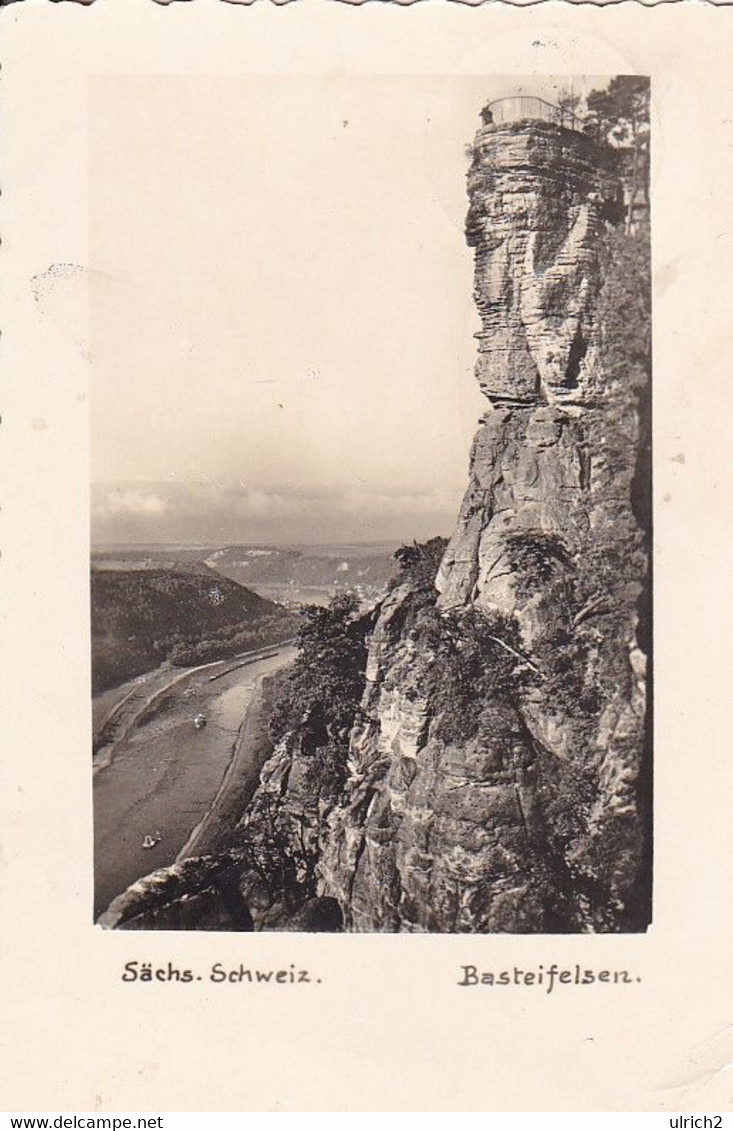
(520, 108)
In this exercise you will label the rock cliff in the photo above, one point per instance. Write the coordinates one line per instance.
(526, 812)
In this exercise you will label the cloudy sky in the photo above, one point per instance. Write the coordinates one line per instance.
(281, 315)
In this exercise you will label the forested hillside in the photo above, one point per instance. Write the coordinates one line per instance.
(142, 617)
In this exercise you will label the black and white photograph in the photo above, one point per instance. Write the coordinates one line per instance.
(371, 504)
(364, 564)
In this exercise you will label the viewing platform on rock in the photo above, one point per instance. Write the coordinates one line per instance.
(524, 108)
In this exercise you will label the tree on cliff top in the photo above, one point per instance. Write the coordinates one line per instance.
(325, 686)
(619, 116)
(420, 561)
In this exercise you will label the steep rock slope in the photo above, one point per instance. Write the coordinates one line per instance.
(495, 778)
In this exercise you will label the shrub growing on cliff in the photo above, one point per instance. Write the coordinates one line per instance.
(474, 661)
(277, 848)
(313, 715)
(466, 660)
(536, 559)
(320, 699)
(587, 858)
(419, 563)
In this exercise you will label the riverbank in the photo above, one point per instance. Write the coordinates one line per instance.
(166, 773)
(252, 749)
(115, 712)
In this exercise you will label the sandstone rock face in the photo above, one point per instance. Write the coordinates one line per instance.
(200, 894)
(533, 822)
(535, 220)
(430, 827)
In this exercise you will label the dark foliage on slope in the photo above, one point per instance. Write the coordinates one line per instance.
(142, 617)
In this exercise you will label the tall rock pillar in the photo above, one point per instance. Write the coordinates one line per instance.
(519, 810)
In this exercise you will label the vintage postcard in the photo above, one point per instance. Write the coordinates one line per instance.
(363, 549)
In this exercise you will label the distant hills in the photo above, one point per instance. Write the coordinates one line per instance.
(297, 574)
(183, 612)
(309, 573)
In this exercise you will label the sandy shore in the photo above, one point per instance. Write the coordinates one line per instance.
(165, 774)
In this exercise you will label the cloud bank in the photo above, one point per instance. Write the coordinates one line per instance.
(229, 513)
